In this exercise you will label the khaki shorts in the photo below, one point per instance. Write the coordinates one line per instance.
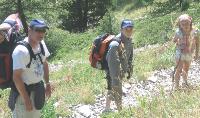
(20, 110)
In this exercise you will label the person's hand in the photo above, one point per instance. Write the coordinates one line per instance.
(129, 75)
(130, 71)
(28, 104)
(48, 90)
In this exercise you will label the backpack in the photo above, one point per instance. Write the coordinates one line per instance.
(99, 50)
(6, 65)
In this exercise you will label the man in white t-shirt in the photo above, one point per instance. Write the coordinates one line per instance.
(29, 75)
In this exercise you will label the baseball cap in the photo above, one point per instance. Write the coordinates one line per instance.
(38, 24)
(127, 23)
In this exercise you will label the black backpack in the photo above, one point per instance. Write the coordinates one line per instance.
(6, 64)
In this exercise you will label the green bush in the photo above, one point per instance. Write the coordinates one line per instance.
(150, 30)
(184, 5)
(109, 24)
(60, 43)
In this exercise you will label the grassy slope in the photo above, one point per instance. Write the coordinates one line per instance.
(77, 82)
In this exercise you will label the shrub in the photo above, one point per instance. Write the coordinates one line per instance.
(108, 24)
(184, 5)
(60, 43)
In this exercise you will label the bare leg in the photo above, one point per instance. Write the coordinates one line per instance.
(178, 74)
(186, 66)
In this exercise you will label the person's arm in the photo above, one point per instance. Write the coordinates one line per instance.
(176, 36)
(17, 75)
(46, 79)
(130, 70)
(130, 64)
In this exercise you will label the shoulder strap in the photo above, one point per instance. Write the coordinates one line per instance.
(111, 37)
(42, 49)
(27, 45)
(118, 39)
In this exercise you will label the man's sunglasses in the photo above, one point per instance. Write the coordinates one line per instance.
(39, 29)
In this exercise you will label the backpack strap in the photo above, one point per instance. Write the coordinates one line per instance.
(42, 49)
(40, 58)
(32, 55)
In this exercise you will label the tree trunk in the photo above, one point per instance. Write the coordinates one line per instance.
(85, 15)
(80, 15)
(22, 16)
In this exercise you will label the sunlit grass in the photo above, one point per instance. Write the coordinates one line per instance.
(152, 59)
(178, 105)
(76, 82)
(4, 110)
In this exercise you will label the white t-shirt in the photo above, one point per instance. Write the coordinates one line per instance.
(21, 58)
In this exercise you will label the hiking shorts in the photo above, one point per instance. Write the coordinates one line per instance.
(183, 56)
(20, 110)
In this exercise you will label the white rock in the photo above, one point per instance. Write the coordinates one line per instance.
(85, 111)
(56, 104)
(127, 85)
(152, 79)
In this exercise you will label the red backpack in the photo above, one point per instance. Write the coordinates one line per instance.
(99, 50)
(6, 48)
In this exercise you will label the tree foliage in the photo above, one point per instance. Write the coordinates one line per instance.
(109, 24)
(82, 14)
(47, 10)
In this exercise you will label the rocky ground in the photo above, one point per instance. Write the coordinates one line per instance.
(158, 81)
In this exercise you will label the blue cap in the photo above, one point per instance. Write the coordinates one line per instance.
(38, 24)
(127, 23)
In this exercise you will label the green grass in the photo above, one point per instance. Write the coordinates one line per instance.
(179, 104)
(77, 82)
(4, 94)
(152, 59)
(62, 43)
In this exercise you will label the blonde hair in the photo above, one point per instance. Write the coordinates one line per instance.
(184, 17)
